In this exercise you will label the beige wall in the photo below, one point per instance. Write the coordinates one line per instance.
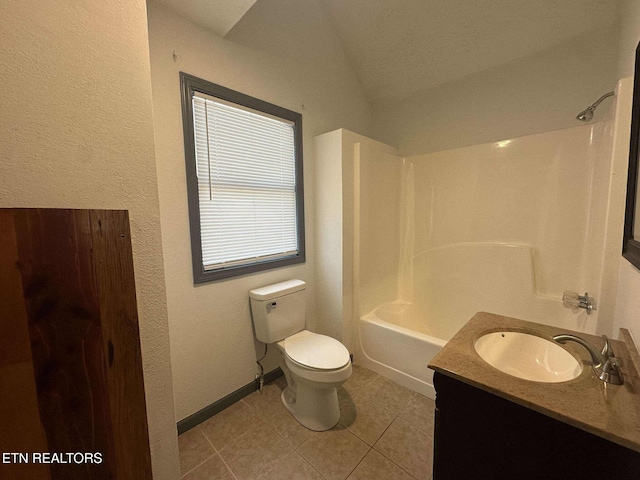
(213, 351)
(574, 225)
(379, 225)
(535, 94)
(340, 155)
(629, 36)
(627, 313)
(533, 190)
(76, 132)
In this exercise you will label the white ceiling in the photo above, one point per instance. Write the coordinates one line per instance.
(399, 47)
(218, 16)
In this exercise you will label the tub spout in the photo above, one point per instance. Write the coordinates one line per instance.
(605, 364)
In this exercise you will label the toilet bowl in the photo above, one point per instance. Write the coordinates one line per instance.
(314, 365)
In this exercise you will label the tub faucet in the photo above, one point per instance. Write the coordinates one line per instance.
(605, 364)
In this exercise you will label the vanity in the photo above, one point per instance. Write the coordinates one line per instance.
(493, 425)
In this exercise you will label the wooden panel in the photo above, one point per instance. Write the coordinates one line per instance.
(119, 315)
(20, 427)
(64, 325)
(70, 365)
(14, 341)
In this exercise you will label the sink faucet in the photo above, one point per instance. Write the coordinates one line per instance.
(605, 364)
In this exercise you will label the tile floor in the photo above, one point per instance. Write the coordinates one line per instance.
(385, 432)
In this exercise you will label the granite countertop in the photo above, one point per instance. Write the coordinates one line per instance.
(609, 411)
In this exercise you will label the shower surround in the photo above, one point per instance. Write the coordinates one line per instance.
(504, 227)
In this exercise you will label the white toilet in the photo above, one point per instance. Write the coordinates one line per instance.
(313, 364)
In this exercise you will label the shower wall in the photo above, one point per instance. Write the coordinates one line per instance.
(516, 223)
(504, 227)
(379, 224)
(532, 190)
(337, 225)
(506, 224)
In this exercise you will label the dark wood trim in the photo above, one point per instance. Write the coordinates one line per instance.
(631, 246)
(188, 85)
(216, 407)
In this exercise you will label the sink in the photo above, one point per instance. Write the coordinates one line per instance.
(528, 357)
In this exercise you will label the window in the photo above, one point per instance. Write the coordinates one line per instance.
(244, 181)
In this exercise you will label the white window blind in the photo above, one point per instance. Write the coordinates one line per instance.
(246, 184)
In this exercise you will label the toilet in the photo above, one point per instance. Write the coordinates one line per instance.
(314, 365)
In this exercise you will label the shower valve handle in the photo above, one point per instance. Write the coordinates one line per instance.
(574, 301)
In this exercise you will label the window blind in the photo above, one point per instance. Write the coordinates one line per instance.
(245, 164)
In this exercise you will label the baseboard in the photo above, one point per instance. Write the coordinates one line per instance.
(216, 407)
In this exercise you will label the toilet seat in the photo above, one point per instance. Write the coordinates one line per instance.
(316, 352)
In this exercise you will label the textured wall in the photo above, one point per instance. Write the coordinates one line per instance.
(627, 313)
(629, 36)
(76, 132)
(213, 349)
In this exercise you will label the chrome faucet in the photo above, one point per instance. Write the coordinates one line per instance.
(605, 364)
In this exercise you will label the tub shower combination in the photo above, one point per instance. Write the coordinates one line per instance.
(398, 339)
(505, 227)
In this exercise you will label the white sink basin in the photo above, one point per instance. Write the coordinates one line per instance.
(528, 357)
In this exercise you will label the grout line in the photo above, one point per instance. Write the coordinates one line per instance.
(228, 467)
(309, 463)
(391, 460)
(201, 463)
(359, 461)
(380, 453)
(272, 427)
(206, 459)
(263, 418)
(210, 442)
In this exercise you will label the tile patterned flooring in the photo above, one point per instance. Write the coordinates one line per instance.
(385, 432)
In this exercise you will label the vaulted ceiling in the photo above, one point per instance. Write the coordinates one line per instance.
(399, 47)
(219, 16)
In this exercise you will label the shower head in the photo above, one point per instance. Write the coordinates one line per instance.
(587, 114)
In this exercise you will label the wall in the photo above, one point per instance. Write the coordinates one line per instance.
(76, 132)
(379, 224)
(330, 253)
(628, 301)
(576, 175)
(629, 36)
(535, 94)
(530, 190)
(341, 157)
(627, 313)
(213, 350)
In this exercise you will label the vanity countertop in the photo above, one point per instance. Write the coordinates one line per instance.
(609, 411)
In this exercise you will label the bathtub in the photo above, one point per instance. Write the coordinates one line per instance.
(392, 343)
(398, 339)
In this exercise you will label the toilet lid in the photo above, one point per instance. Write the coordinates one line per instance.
(316, 351)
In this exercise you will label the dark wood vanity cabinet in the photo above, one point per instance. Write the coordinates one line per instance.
(482, 436)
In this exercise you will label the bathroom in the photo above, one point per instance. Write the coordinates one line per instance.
(198, 342)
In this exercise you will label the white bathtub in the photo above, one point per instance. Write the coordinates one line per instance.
(451, 284)
(390, 344)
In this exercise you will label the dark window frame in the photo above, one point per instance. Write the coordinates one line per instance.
(630, 244)
(188, 85)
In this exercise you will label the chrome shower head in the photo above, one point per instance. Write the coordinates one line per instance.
(587, 114)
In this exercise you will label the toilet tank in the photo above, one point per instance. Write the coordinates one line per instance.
(278, 310)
